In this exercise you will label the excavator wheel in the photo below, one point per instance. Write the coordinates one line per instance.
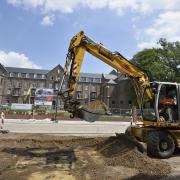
(160, 144)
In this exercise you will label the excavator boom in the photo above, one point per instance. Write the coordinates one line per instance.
(81, 44)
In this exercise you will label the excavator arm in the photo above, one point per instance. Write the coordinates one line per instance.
(77, 48)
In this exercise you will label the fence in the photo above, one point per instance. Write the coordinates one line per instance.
(128, 112)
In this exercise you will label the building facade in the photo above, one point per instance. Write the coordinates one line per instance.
(88, 87)
(110, 88)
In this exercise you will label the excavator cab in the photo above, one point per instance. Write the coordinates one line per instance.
(164, 105)
(160, 129)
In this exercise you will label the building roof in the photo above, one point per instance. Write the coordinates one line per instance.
(110, 76)
(3, 68)
(58, 66)
(113, 72)
(90, 75)
(26, 70)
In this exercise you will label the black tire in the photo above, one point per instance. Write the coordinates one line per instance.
(160, 144)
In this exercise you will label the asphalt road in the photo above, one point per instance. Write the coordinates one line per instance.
(65, 127)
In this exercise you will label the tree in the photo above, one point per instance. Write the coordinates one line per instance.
(161, 62)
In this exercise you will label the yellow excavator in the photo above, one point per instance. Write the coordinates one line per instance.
(159, 102)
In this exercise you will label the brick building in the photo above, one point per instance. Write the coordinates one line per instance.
(117, 90)
(89, 87)
(111, 88)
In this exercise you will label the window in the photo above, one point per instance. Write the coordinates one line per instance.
(11, 74)
(113, 102)
(148, 110)
(19, 84)
(52, 78)
(23, 75)
(57, 78)
(97, 80)
(85, 95)
(19, 74)
(167, 106)
(82, 79)
(121, 102)
(35, 75)
(89, 79)
(79, 88)
(50, 85)
(93, 88)
(27, 75)
(39, 76)
(56, 86)
(93, 95)
(86, 88)
(27, 84)
(41, 85)
(43, 76)
(129, 102)
(33, 92)
(63, 87)
(9, 91)
(79, 95)
(1, 82)
(34, 85)
(24, 93)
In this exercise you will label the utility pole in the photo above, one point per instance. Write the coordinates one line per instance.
(89, 96)
(59, 87)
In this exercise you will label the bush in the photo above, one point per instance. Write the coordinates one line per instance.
(40, 110)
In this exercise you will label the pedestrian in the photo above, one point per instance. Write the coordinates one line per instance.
(2, 119)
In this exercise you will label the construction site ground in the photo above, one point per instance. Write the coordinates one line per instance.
(44, 157)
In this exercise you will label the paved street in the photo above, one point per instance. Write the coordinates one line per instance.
(65, 127)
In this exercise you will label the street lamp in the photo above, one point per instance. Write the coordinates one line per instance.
(107, 95)
(58, 77)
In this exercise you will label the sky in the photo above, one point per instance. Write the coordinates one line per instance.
(37, 33)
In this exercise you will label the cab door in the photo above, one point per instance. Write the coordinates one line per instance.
(168, 103)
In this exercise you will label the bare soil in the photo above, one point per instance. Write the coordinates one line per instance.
(40, 157)
(96, 105)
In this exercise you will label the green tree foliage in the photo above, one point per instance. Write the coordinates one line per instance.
(161, 62)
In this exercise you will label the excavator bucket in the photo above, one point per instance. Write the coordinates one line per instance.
(89, 116)
(93, 111)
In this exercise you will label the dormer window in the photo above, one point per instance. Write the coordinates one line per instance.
(27, 75)
(43, 76)
(19, 74)
(11, 74)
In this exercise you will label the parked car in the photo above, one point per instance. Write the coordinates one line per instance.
(4, 106)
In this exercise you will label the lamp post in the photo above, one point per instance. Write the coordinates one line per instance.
(89, 96)
(58, 77)
(107, 95)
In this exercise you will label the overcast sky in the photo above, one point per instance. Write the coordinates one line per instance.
(36, 33)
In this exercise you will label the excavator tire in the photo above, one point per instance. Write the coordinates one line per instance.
(160, 144)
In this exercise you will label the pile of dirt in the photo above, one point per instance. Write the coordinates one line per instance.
(96, 106)
(124, 151)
